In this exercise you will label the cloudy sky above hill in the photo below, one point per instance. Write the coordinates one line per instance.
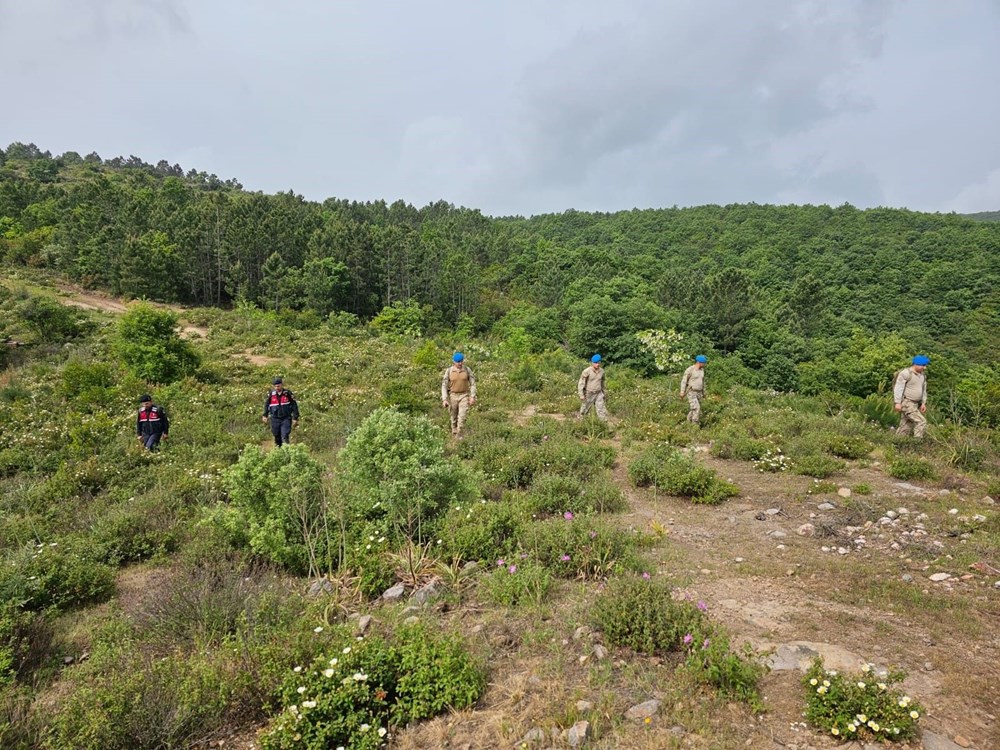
(523, 106)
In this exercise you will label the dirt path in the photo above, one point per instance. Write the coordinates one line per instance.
(88, 300)
(777, 588)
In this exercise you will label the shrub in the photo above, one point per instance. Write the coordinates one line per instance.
(395, 473)
(579, 548)
(353, 699)
(845, 446)
(404, 396)
(862, 489)
(281, 500)
(148, 344)
(551, 494)
(517, 581)
(525, 377)
(484, 531)
(50, 321)
(910, 467)
(150, 702)
(741, 447)
(773, 462)
(401, 319)
(859, 706)
(673, 472)
(87, 383)
(48, 575)
(137, 530)
(642, 615)
(735, 674)
(819, 466)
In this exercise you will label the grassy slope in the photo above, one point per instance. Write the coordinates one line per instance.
(769, 590)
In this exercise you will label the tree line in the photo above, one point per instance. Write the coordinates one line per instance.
(785, 293)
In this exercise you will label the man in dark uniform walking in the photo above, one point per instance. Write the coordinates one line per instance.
(281, 409)
(151, 424)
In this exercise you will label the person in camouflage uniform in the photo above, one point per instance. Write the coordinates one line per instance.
(458, 392)
(909, 393)
(590, 388)
(693, 386)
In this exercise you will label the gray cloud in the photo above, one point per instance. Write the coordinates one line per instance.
(526, 107)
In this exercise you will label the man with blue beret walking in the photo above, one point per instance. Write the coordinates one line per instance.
(909, 393)
(458, 392)
(590, 388)
(693, 386)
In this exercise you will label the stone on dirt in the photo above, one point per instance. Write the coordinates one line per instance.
(844, 492)
(395, 593)
(938, 577)
(577, 734)
(934, 741)
(642, 711)
(807, 529)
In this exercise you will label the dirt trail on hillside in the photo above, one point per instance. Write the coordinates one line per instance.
(89, 300)
(778, 589)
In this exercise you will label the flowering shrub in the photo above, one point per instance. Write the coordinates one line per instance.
(551, 494)
(354, 697)
(642, 615)
(665, 348)
(483, 531)
(517, 580)
(773, 462)
(741, 447)
(847, 446)
(862, 706)
(579, 547)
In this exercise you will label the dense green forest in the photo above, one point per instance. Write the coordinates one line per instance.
(795, 298)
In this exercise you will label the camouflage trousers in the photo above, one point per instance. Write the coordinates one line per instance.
(694, 405)
(911, 420)
(458, 408)
(595, 400)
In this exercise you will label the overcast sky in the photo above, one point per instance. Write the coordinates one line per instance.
(526, 106)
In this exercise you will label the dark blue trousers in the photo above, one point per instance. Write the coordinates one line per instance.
(281, 429)
(152, 440)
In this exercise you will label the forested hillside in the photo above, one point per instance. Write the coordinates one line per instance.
(805, 298)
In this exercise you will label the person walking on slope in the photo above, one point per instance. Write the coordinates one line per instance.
(590, 388)
(458, 392)
(693, 386)
(151, 424)
(909, 393)
(282, 411)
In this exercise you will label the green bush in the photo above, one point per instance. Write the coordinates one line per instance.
(516, 580)
(850, 447)
(526, 377)
(740, 447)
(281, 502)
(395, 474)
(354, 699)
(148, 344)
(642, 615)
(401, 319)
(819, 466)
(404, 396)
(484, 531)
(735, 674)
(150, 702)
(580, 547)
(863, 706)
(49, 575)
(910, 467)
(675, 473)
(552, 494)
(138, 530)
(50, 321)
(88, 383)
(862, 489)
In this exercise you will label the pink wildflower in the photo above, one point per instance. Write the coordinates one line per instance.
(702, 606)
(564, 558)
(687, 639)
(513, 569)
(568, 515)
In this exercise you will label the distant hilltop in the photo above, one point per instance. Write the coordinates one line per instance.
(984, 216)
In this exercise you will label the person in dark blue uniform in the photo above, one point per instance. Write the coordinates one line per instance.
(152, 424)
(282, 411)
